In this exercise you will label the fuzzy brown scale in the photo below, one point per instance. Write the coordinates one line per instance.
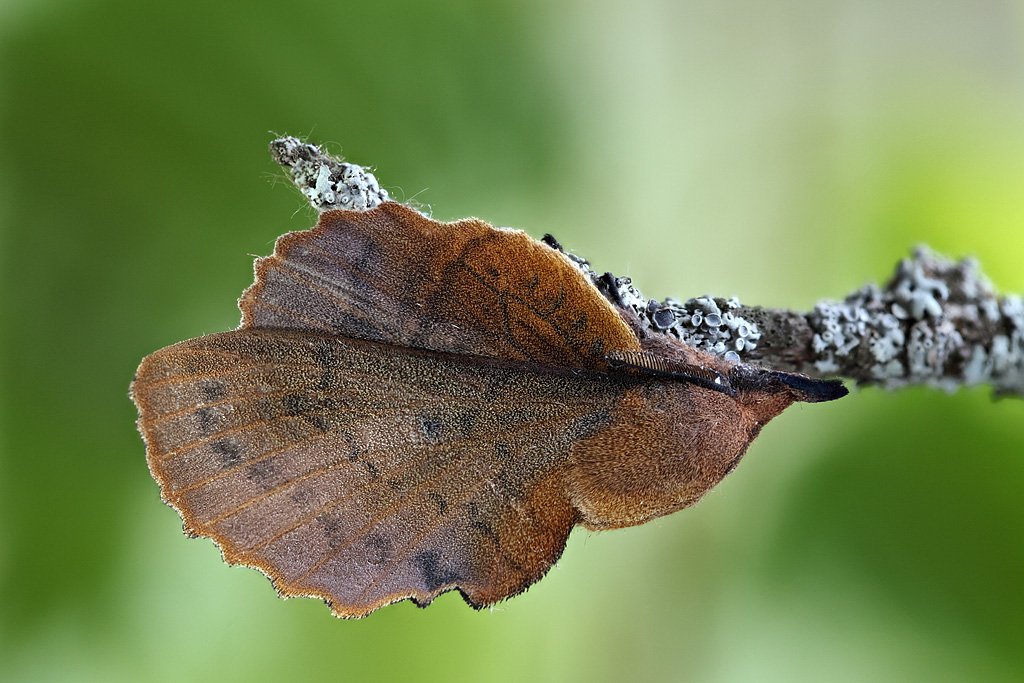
(412, 407)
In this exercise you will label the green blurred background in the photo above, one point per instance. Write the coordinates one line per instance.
(781, 152)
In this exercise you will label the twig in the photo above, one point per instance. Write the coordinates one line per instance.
(936, 322)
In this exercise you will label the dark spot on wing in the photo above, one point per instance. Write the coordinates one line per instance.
(332, 528)
(434, 574)
(439, 501)
(206, 420)
(294, 404)
(325, 358)
(227, 451)
(431, 427)
(302, 496)
(371, 468)
(361, 251)
(260, 472)
(318, 421)
(213, 390)
(485, 530)
(314, 411)
(505, 484)
(378, 549)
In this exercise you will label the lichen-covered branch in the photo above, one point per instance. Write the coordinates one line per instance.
(936, 322)
(326, 182)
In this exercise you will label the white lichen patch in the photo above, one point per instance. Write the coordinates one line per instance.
(712, 324)
(937, 322)
(1002, 362)
(326, 182)
(707, 323)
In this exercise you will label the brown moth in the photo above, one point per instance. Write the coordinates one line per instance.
(411, 407)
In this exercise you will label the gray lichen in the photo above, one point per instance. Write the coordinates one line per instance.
(715, 325)
(326, 182)
(712, 324)
(937, 322)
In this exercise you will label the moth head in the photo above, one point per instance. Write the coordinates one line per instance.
(768, 392)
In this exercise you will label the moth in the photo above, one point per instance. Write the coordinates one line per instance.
(411, 407)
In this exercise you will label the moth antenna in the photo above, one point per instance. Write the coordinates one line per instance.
(647, 363)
